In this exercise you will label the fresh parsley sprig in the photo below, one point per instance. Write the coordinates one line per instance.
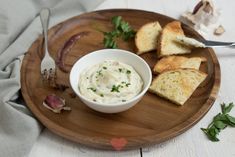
(220, 122)
(121, 29)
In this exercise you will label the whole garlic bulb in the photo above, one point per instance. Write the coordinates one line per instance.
(204, 15)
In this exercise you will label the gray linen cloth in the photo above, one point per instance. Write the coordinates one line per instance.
(19, 27)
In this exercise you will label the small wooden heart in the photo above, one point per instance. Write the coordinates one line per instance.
(118, 143)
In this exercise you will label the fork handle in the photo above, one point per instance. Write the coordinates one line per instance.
(44, 16)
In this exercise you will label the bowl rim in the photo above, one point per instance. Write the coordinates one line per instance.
(138, 96)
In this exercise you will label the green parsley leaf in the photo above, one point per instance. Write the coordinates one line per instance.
(220, 122)
(116, 21)
(208, 133)
(125, 27)
(128, 35)
(221, 117)
(116, 33)
(109, 42)
(231, 120)
(226, 109)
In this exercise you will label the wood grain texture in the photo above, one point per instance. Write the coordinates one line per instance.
(152, 120)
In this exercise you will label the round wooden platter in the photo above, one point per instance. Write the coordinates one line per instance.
(152, 120)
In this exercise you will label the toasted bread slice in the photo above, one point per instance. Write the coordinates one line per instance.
(177, 85)
(146, 37)
(176, 62)
(167, 44)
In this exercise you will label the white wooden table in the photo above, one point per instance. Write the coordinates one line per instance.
(192, 143)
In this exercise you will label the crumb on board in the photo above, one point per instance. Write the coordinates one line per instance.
(219, 30)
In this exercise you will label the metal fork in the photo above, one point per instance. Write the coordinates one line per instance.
(48, 66)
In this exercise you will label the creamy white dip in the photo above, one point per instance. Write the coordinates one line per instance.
(110, 82)
(190, 41)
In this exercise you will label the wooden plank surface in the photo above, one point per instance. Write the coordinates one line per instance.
(193, 143)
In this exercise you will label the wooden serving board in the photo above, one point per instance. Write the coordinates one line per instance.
(152, 120)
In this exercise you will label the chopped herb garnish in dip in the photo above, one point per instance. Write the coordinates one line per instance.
(126, 84)
(99, 72)
(110, 82)
(128, 71)
(115, 88)
(93, 89)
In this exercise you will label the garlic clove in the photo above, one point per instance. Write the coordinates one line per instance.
(55, 103)
(219, 30)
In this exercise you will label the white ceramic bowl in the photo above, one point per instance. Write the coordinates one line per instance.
(111, 54)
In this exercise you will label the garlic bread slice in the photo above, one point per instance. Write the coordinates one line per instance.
(177, 85)
(175, 62)
(146, 37)
(167, 43)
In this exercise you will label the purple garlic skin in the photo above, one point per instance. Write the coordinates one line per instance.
(66, 49)
(206, 5)
(197, 7)
(55, 103)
